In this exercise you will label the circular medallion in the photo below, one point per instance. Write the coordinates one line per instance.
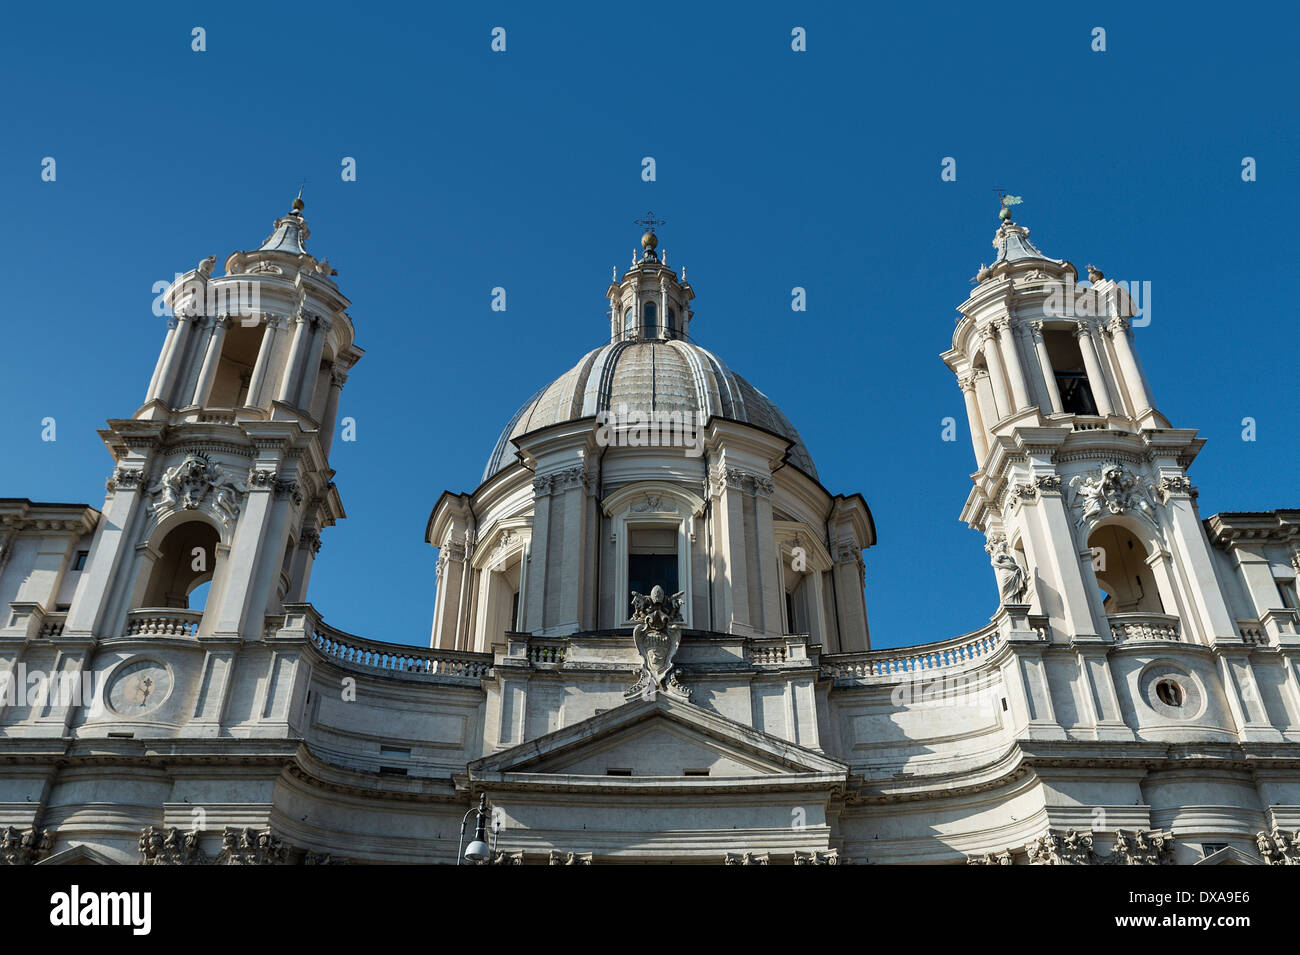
(1172, 691)
(139, 687)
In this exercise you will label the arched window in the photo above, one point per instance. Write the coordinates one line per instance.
(651, 324)
(1127, 582)
(672, 321)
(187, 559)
(629, 323)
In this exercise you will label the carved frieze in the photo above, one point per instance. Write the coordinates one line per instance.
(24, 848)
(198, 482)
(1072, 847)
(570, 858)
(747, 482)
(1278, 847)
(170, 846)
(251, 847)
(1114, 490)
(126, 479)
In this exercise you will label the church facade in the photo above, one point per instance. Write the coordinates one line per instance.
(650, 641)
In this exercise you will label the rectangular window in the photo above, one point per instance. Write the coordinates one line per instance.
(1076, 395)
(696, 772)
(618, 772)
(1287, 591)
(652, 559)
(514, 611)
(1210, 848)
(1068, 369)
(80, 562)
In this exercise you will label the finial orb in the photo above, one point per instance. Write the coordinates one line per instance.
(649, 241)
(298, 204)
(1004, 214)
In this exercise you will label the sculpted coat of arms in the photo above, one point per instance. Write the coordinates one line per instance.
(1113, 491)
(658, 634)
(188, 484)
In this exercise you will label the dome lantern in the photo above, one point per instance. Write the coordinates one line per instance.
(649, 303)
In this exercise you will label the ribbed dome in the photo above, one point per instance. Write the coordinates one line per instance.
(648, 376)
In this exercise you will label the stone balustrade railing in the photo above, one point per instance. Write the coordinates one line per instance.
(1125, 627)
(545, 651)
(768, 654)
(52, 626)
(396, 658)
(1252, 633)
(904, 662)
(162, 622)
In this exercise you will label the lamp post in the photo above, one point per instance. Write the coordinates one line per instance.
(477, 850)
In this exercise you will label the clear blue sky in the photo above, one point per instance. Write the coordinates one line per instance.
(775, 169)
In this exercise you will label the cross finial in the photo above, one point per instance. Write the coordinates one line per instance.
(298, 204)
(649, 221)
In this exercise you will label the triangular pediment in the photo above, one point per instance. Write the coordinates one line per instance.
(1230, 855)
(655, 738)
(78, 855)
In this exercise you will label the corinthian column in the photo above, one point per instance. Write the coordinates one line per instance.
(1100, 394)
(977, 436)
(289, 381)
(263, 362)
(1128, 364)
(176, 357)
(211, 359)
(997, 374)
(1045, 367)
(1016, 371)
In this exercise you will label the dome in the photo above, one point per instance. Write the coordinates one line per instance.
(649, 376)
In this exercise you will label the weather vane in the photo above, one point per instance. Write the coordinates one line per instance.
(1007, 201)
(649, 221)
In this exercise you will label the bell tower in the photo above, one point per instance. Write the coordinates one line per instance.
(1081, 487)
(221, 482)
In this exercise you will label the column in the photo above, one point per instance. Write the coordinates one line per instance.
(161, 368)
(534, 599)
(769, 556)
(1137, 388)
(997, 374)
(977, 436)
(289, 383)
(263, 362)
(1052, 389)
(311, 370)
(1097, 381)
(1016, 371)
(176, 357)
(731, 557)
(211, 360)
(329, 418)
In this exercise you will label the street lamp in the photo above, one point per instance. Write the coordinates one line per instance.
(477, 850)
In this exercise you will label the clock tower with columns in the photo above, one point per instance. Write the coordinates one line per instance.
(1081, 487)
(222, 481)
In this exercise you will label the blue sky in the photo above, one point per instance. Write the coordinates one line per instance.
(774, 169)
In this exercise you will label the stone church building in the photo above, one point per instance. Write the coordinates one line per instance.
(650, 641)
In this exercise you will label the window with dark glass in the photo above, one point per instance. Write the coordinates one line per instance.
(651, 314)
(1071, 377)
